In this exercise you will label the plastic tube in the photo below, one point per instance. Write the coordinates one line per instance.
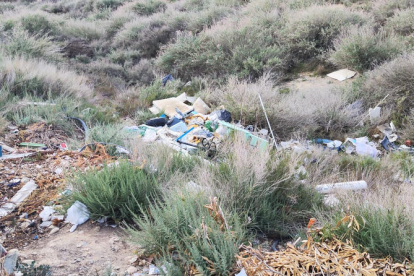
(353, 185)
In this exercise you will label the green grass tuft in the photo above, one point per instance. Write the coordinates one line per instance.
(117, 191)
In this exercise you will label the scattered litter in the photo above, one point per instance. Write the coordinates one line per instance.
(16, 156)
(169, 105)
(7, 148)
(153, 270)
(156, 122)
(45, 224)
(264, 132)
(185, 98)
(342, 74)
(201, 107)
(179, 127)
(352, 185)
(242, 273)
(32, 145)
(77, 214)
(254, 140)
(47, 212)
(21, 195)
(10, 261)
(374, 114)
(150, 136)
(360, 146)
(3, 251)
(222, 115)
(58, 171)
(14, 182)
(84, 126)
(166, 79)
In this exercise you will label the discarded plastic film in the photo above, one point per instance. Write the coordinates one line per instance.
(18, 198)
(77, 214)
(342, 74)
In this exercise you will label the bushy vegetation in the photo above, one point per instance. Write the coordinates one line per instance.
(264, 192)
(363, 49)
(393, 79)
(117, 191)
(103, 61)
(181, 230)
(383, 232)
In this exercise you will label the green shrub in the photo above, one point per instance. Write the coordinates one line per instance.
(256, 42)
(311, 32)
(37, 24)
(149, 33)
(125, 57)
(108, 133)
(401, 23)
(88, 30)
(148, 7)
(180, 231)
(394, 79)
(6, 7)
(383, 232)
(119, 191)
(20, 43)
(349, 165)
(108, 4)
(8, 25)
(115, 25)
(156, 91)
(277, 205)
(363, 49)
(384, 9)
(36, 78)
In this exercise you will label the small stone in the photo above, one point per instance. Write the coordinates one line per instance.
(133, 260)
(114, 239)
(24, 225)
(58, 171)
(24, 216)
(131, 269)
(45, 224)
(153, 270)
(79, 245)
(54, 230)
(28, 262)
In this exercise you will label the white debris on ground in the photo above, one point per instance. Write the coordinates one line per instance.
(342, 74)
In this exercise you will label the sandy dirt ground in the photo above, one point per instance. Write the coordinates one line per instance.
(90, 250)
(308, 83)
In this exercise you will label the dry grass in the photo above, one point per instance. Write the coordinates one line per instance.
(402, 22)
(302, 112)
(394, 79)
(57, 81)
(363, 48)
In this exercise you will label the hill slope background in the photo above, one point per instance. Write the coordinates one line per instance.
(103, 61)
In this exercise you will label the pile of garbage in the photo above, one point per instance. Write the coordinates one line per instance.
(34, 164)
(188, 124)
(316, 258)
(383, 140)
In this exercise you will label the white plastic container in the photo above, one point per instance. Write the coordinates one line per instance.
(353, 185)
